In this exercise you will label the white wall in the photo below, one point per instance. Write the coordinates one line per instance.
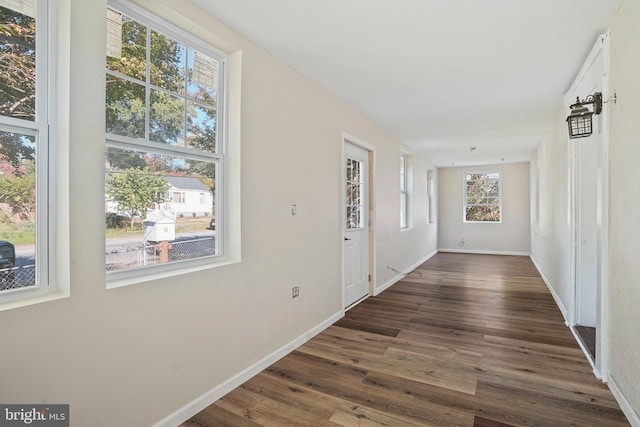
(511, 236)
(624, 247)
(420, 234)
(133, 355)
(551, 238)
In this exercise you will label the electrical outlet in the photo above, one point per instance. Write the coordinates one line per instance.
(295, 291)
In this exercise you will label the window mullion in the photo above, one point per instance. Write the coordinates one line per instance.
(147, 86)
(185, 72)
(118, 141)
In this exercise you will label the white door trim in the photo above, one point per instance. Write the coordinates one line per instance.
(350, 139)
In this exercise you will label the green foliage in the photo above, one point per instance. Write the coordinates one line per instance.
(17, 81)
(482, 197)
(19, 192)
(166, 118)
(169, 115)
(17, 65)
(171, 118)
(135, 190)
(120, 159)
(16, 148)
(114, 221)
(126, 104)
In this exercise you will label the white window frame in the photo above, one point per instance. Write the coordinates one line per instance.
(182, 197)
(406, 187)
(430, 197)
(464, 196)
(132, 276)
(45, 288)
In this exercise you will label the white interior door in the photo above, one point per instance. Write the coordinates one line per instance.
(356, 224)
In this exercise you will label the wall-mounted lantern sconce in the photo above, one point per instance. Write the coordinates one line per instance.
(580, 120)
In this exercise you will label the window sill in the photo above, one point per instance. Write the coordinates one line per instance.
(20, 299)
(482, 222)
(118, 279)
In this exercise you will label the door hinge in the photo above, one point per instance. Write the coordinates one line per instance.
(369, 277)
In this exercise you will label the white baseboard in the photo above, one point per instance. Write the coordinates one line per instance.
(556, 297)
(192, 408)
(625, 405)
(483, 252)
(398, 277)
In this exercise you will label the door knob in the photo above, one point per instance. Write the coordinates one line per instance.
(347, 238)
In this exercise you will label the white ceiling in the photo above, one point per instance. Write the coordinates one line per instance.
(442, 76)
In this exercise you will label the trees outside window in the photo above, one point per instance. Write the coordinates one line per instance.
(164, 115)
(24, 141)
(482, 197)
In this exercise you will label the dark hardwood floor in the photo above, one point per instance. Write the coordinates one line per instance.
(465, 340)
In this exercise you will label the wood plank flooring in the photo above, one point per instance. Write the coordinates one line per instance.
(465, 340)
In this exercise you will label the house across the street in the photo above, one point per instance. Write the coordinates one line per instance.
(188, 195)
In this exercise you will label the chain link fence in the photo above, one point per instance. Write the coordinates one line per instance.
(149, 254)
(18, 277)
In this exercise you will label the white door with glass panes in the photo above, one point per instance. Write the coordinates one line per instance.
(356, 232)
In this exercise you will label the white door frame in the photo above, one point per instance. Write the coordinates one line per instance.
(601, 365)
(349, 139)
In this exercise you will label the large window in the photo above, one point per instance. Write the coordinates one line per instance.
(482, 197)
(164, 116)
(24, 148)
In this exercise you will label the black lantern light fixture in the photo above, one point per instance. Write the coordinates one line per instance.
(580, 120)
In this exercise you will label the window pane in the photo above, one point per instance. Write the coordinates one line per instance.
(403, 179)
(494, 191)
(133, 50)
(492, 201)
(201, 127)
(17, 65)
(17, 210)
(482, 213)
(125, 107)
(167, 63)
(403, 210)
(155, 212)
(203, 72)
(355, 189)
(482, 199)
(166, 119)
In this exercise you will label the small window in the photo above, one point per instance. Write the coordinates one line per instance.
(177, 197)
(536, 189)
(482, 197)
(405, 192)
(164, 124)
(355, 194)
(430, 198)
(24, 150)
